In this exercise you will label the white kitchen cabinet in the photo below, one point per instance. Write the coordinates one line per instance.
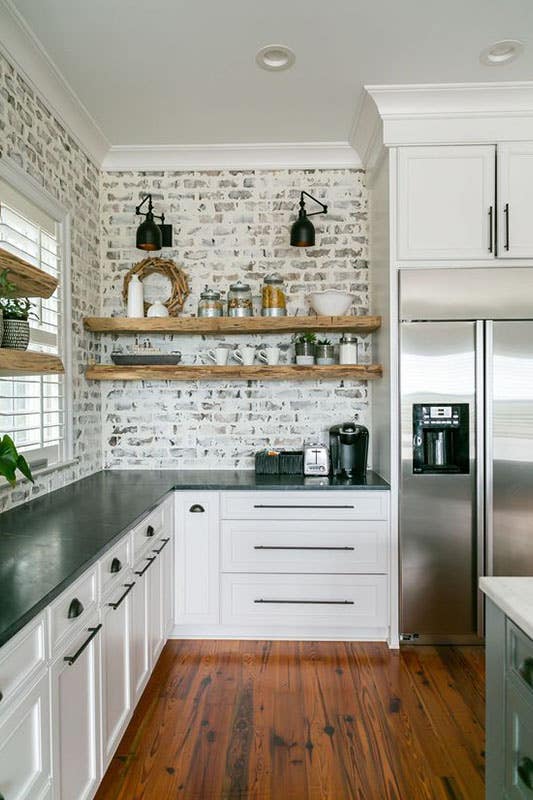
(196, 545)
(76, 715)
(156, 634)
(139, 654)
(166, 558)
(515, 200)
(25, 745)
(446, 202)
(116, 689)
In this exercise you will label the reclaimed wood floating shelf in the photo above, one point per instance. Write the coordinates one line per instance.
(30, 281)
(221, 325)
(25, 362)
(282, 372)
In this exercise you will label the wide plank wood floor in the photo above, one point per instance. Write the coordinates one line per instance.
(243, 720)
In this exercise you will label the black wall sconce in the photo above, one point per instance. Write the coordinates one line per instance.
(150, 235)
(303, 230)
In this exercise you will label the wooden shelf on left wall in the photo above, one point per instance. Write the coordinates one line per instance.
(29, 280)
(26, 362)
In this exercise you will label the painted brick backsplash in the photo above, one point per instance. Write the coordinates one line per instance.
(32, 137)
(230, 225)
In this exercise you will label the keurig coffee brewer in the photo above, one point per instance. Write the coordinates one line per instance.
(348, 445)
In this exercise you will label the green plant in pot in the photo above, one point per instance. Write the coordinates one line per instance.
(11, 461)
(304, 347)
(16, 314)
(325, 352)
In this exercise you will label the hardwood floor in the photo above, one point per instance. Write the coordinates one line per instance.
(245, 720)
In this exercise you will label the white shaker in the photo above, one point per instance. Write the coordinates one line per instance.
(135, 297)
(348, 347)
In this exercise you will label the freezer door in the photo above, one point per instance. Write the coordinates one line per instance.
(510, 448)
(438, 538)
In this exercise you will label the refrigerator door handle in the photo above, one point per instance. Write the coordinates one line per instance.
(489, 448)
(480, 471)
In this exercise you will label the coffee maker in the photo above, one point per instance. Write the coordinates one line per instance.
(348, 446)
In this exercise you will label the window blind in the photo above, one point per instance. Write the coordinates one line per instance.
(32, 409)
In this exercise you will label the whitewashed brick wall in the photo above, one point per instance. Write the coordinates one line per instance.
(230, 225)
(32, 137)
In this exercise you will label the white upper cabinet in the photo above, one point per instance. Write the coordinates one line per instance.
(446, 202)
(515, 200)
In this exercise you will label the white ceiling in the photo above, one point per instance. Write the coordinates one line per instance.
(171, 72)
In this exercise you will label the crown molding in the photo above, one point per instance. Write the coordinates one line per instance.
(449, 113)
(20, 46)
(297, 155)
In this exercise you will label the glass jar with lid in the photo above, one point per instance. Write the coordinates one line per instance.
(210, 304)
(348, 349)
(240, 300)
(273, 301)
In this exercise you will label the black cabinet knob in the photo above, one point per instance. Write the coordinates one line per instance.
(74, 610)
(1, 697)
(116, 565)
(150, 530)
(525, 771)
(196, 509)
(525, 670)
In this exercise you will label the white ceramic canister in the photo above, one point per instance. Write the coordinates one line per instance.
(157, 309)
(135, 297)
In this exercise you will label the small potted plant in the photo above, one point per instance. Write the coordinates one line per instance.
(11, 460)
(6, 290)
(325, 352)
(304, 347)
(16, 313)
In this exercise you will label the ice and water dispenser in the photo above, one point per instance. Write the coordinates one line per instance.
(441, 438)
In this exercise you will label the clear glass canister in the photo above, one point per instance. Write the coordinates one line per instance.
(240, 300)
(273, 303)
(210, 304)
(348, 349)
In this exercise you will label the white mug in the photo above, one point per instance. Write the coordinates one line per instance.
(269, 356)
(219, 355)
(245, 355)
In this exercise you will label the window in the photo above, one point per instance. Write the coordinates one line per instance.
(34, 410)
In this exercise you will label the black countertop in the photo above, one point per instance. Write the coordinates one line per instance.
(47, 543)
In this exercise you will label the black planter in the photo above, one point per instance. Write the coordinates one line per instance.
(16, 334)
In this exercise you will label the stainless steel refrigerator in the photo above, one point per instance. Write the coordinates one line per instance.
(466, 490)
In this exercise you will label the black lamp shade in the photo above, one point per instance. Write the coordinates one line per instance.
(149, 235)
(303, 232)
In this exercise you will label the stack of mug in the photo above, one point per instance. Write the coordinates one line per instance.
(245, 355)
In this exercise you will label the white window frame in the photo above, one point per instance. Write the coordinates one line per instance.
(29, 188)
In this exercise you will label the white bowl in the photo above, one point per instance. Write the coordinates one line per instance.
(331, 303)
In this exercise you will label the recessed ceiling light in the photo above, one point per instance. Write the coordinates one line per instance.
(501, 53)
(275, 57)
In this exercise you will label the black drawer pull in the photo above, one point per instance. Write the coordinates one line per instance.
(197, 509)
(165, 542)
(150, 560)
(506, 212)
(311, 602)
(525, 771)
(283, 547)
(129, 587)
(150, 530)
(491, 230)
(116, 565)
(75, 608)
(525, 670)
(1, 698)
(266, 505)
(71, 659)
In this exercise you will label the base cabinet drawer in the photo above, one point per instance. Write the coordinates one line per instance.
(303, 505)
(69, 612)
(296, 546)
(519, 743)
(20, 660)
(147, 531)
(309, 601)
(25, 746)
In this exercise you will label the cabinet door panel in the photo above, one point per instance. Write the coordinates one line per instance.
(444, 198)
(155, 611)
(515, 200)
(76, 716)
(116, 701)
(25, 746)
(139, 655)
(197, 557)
